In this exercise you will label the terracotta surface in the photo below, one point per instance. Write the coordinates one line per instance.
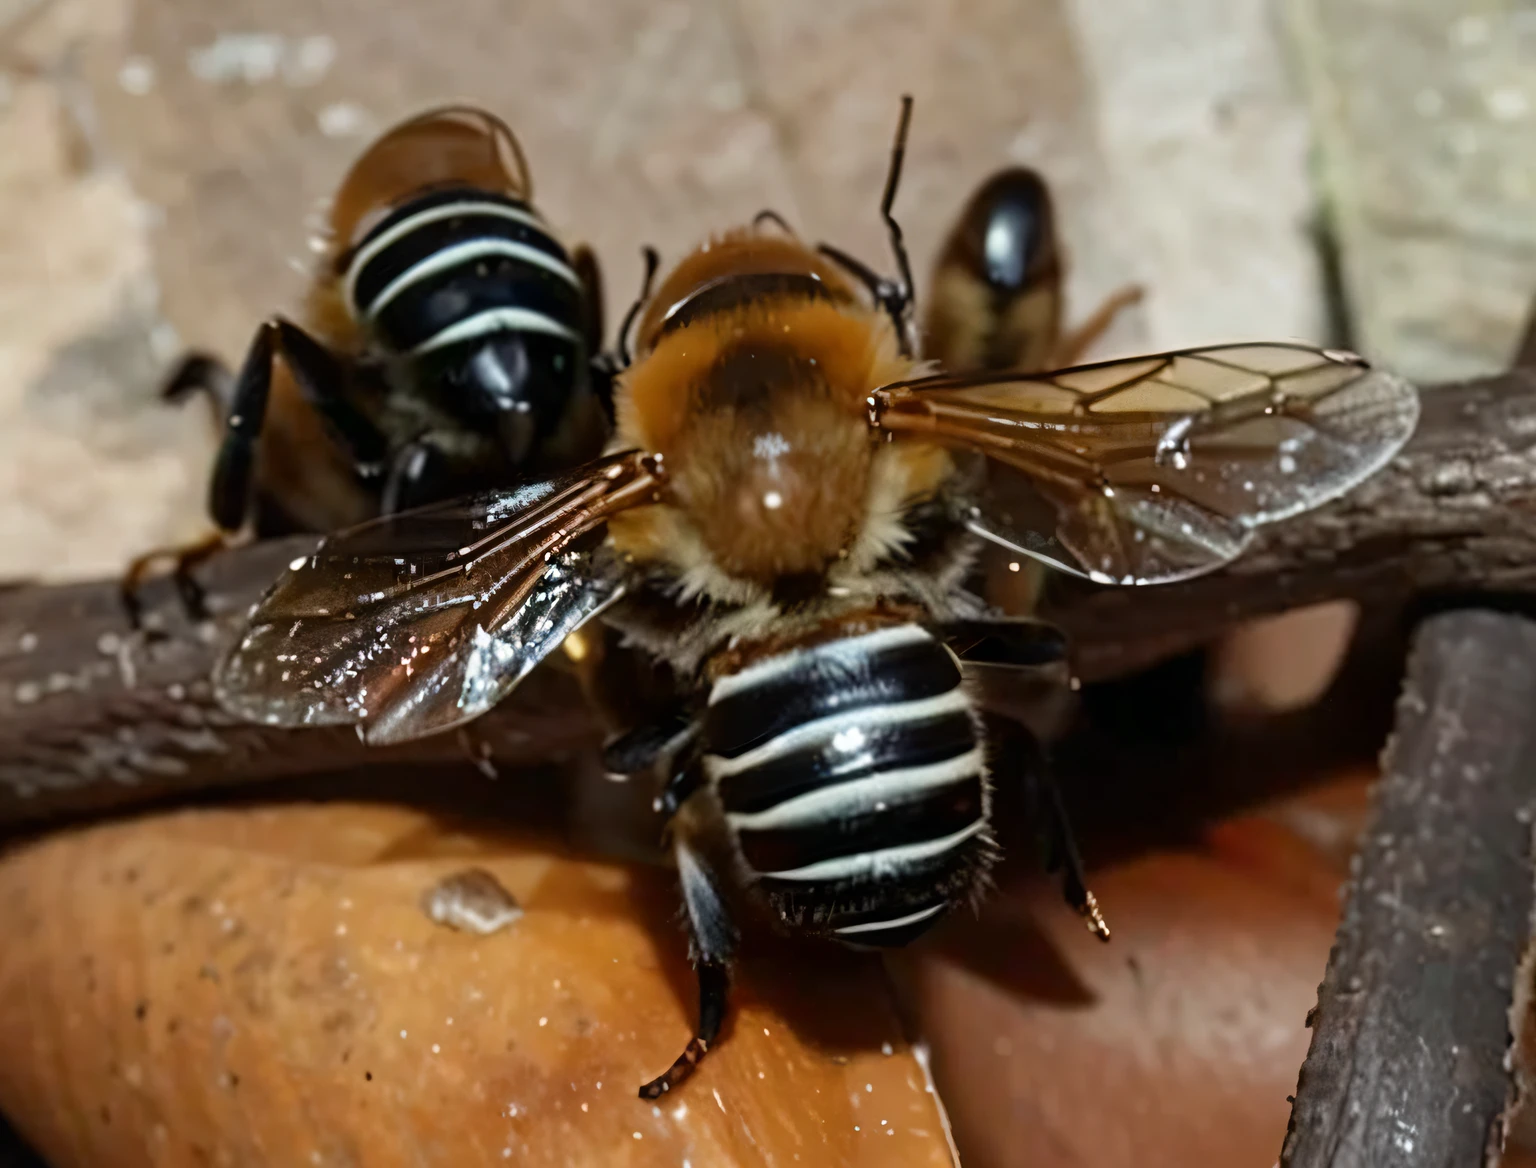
(231, 987)
(263, 987)
(161, 164)
(1175, 1044)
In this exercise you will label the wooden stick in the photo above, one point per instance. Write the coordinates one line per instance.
(1411, 1034)
(95, 716)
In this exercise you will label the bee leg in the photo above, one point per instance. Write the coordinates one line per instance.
(234, 467)
(1005, 642)
(325, 379)
(195, 373)
(1018, 668)
(409, 482)
(1018, 751)
(184, 561)
(1064, 857)
(1071, 347)
(584, 261)
(321, 377)
(893, 296)
(201, 373)
(638, 750)
(712, 942)
(687, 774)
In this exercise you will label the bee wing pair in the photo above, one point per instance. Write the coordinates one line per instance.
(1137, 471)
(1159, 468)
(421, 621)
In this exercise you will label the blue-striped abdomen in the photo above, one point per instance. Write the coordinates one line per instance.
(853, 776)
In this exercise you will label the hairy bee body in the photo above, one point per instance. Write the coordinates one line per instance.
(996, 300)
(846, 760)
(852, 776)
(445, 345)
(783, 528)
(477, 310)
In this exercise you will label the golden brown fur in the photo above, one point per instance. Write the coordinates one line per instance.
(760, 416)
(741, 252)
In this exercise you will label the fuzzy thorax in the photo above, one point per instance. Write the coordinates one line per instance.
(761, 418)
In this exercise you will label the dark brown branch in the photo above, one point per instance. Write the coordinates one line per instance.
(1412, 1027)
(93, 716)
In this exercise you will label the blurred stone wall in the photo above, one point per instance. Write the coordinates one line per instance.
(160, 165)
(1425, 115)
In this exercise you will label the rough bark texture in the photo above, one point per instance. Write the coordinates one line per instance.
(1412, 1031)
(93, 716)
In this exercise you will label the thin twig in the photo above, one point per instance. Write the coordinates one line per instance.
(1409, 1062)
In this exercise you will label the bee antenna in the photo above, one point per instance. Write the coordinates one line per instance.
(652, 260)
(879, 287)
(888, 200)
(769, 215)
(894, 296)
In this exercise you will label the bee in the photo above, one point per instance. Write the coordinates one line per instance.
(785, 516)
(996, 298)
(996, 302)
(446, 343)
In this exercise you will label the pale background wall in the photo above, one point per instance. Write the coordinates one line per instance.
(158, 162)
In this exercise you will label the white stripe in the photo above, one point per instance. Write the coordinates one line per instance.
(886, 862)
(813, 733)
(495, 320)
(877, 926)
(450, 257)
(434, 215)
(861, 795)
(774, 667)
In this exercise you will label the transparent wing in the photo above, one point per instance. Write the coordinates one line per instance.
(421, 621)
(1158, 468)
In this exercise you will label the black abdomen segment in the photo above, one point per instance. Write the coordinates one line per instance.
(475, 286)
(852, 775)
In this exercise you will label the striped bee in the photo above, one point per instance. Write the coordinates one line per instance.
(786, 518)
(997, 299)
(446, 343)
